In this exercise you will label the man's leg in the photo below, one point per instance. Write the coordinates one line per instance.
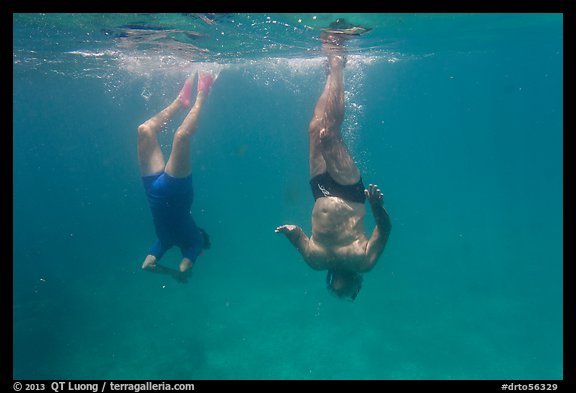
(327, 149)
(150, 155)
(179, 162)
(316, 158)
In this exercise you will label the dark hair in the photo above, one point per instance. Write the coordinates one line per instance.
(353, 280)
(206, 238)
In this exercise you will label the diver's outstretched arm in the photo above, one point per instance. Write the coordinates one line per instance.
(298, 239)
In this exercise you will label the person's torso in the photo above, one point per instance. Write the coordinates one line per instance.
(337, 232)
(173, 221)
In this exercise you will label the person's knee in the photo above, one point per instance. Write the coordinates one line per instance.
(315, 126)
(144, 130)
(329, 137)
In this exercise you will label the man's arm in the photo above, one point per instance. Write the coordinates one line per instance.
(381, 232)
(297, 237)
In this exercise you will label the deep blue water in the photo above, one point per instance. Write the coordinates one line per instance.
(465, 144)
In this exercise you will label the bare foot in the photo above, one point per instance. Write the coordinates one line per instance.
(149, 262)
(334, 37)
(332, 43)
(185, 265)
(333, 47)
(328, 38)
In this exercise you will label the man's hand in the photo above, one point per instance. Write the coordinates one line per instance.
(292, 232)
(375, 196)
(286, 229)
(376, 200)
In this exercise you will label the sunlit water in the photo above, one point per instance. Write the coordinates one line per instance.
(458, 118)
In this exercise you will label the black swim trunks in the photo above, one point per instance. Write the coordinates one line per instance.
(324, 185)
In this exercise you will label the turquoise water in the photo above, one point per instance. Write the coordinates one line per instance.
(458, 118)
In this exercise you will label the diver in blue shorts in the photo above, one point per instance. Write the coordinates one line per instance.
(168, 186)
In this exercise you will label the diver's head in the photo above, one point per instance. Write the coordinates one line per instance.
(206, 239)
(344, 284)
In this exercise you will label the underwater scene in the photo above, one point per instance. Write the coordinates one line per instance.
(457, 118)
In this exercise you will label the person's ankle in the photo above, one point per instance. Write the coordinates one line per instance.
(336, 61)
